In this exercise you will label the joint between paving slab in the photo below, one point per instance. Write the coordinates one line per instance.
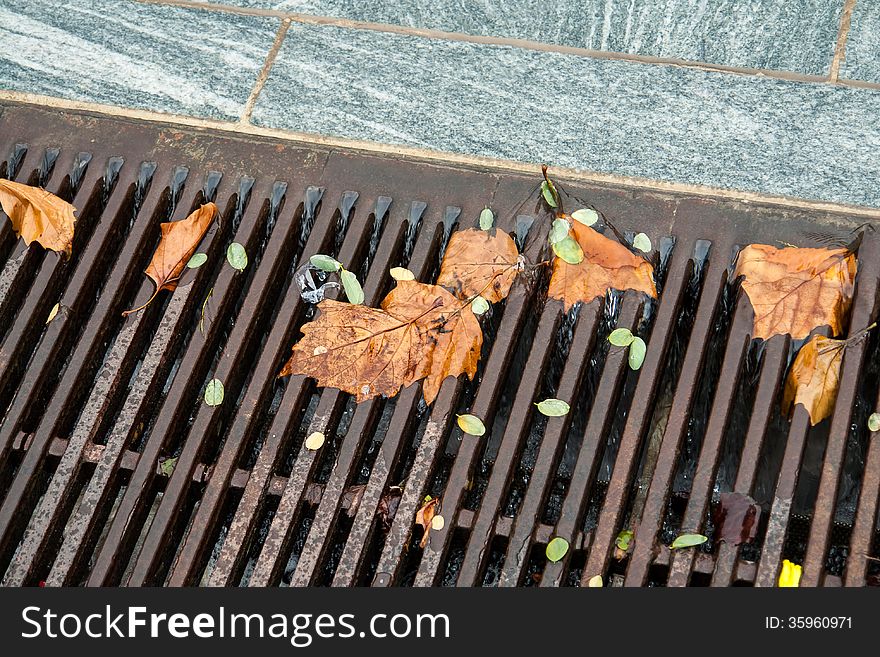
(329, 21)
(441, 158)
(842, 35)
(264, 72)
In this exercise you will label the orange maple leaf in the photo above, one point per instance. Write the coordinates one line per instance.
(480, 263)
(606, 265)
(179, 241)
(795, 290)
(419, 332)
(38, 215)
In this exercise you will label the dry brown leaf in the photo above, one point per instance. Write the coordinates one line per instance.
(480, 263)
(38, 215)
(420, 332)
(796, 290)
(606, 265)
(425, 516)
(180, 239)
(814, 378)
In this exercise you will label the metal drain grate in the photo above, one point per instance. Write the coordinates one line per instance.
(91, 402)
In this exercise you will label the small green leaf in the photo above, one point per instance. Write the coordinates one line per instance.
(487, 219)
(642, 242)
(325, 262)
(353, 289)
(53, 312)
(569, 250)
(479, 305)
(623, 539)
(549, 192)
(237, 256)
(471, 424)
(556, 549)
(621, 337)
(197, 260)
(214, 392)
(166, 466)
(637, 351)
(586, 216)
(401, 274)
(559, 230)
(553, 407)
(874, 422)
(688, 540)
(595, 582)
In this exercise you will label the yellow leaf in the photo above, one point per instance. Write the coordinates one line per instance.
(38, 215)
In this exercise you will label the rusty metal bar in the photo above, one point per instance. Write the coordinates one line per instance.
(863, 313)
(639, 416)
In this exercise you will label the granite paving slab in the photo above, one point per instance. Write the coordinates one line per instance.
(125, 53)
(809, 140)
(794, 35)
(862, 56)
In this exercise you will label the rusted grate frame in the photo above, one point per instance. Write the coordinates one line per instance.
(154, 536)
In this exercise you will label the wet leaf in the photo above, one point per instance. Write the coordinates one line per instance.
(437, 523)
(388, 505)
(237, 256)
(471, 425)
(351, 499)
(796, 290)
(558, 230)
(790, 575)
(197, 260)
(642, 242)
(569, 250)
(38, 216)
(814, 378)
(688, 540)
(325, 263)
(53, 312)
(736, 518)
(553, 407)
(621, 337)
(637, 351)
(353, 290)
(606, 265)
(420, 332)
(425, 516)
(874, 422)
(166, 466)
(401, 274)
(479, 305)
(586, 216)
(556, 549)
(595, 582)
(214, 392)
(487, 219)
(548, 191)
(179, 241)
(479, 263)
(622, 544)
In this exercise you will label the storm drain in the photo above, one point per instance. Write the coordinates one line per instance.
(114, 471)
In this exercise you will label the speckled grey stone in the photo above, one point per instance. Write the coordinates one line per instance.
(862, 56)
(807, 140)
(124, 53)
(791, 35)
